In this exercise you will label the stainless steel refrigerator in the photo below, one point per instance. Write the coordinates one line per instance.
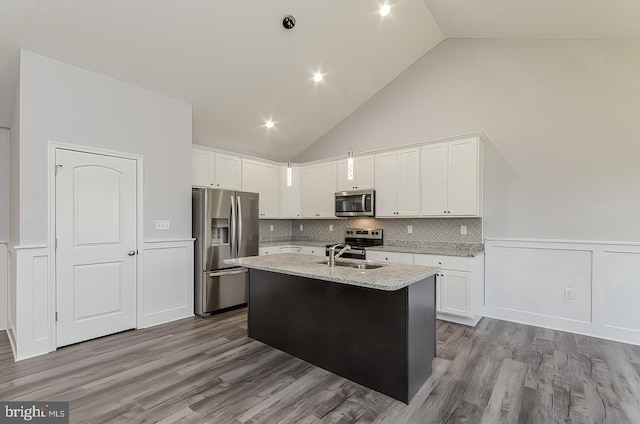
(225, 225)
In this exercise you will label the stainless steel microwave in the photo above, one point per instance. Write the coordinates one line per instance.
(355, 203)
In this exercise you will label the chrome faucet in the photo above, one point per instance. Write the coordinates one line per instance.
(333, 255)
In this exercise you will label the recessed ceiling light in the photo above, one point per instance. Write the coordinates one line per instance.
(317, 77)
(268, 124)
(385, 9)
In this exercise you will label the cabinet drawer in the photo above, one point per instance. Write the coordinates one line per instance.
(312, 250)
(395, 257)
(454, 263)
(289, 249)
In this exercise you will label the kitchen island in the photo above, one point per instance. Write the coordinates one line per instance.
(374, 326)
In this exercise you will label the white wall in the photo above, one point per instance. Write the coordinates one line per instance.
(4, 184)
(561, 116)
(66, 104)
(4, 222)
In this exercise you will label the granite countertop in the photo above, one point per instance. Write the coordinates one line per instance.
(294, 243)
(428, 250)
(388, 277)
(442, 249)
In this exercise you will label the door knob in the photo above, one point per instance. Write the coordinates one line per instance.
(131, 252)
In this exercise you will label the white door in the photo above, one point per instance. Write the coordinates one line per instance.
(463, 177)
(435, 179)
(96, 245)
(455, 293)
(385, 179)
(326, 193)
(264, 179)
(290, 194)
(408, 182)
(309, 191)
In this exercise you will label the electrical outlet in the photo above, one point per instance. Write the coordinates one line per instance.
(163, 225)
(568, 293)
(271, 228)
(330, 227)
(463, 229)
(301, 227)
(409, 229)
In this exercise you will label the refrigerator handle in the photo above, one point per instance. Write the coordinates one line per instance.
(232, 239)
(239, 224)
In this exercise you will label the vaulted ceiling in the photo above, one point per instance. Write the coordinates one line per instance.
(238, 67)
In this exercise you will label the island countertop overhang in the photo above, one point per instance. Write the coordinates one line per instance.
(389, 276)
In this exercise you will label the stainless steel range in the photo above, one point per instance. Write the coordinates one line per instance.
(359, 239)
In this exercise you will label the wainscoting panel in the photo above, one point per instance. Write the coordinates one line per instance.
(537, 279)
(31, 328)
(4, 278)
(167, 282)
(620, 290)
(532, 282)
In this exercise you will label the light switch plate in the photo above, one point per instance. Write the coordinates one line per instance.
(163, 225)
(301, 227)
(330, 227)
(463, 229)
(409, 229)
(271, 228)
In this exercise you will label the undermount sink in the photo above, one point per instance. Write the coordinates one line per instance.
(352, 265)
(367, 266)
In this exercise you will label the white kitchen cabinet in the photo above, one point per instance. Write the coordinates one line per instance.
(290, 195)
(263, 178)
(397, 183)
(313, 250)
(363, 174)
(317, 190)
(459, 287)
(200, 168)
(452, 178)
(215, 170)
(395, 257)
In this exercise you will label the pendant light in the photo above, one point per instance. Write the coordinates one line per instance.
(350, 170)
(289, 22)
(350, 167)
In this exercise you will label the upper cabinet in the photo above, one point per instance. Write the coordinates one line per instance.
(363, 174)
(317, 190)
(290, 195)
(263, 178)
(397, 183)
(215, 170)
(452, 178)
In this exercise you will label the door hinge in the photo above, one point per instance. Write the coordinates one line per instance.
(56, 316)
(55, 170)
(56, 243)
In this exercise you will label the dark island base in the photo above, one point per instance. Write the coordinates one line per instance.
(384, 340)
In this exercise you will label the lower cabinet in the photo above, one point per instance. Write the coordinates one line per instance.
(454, 293)
(459, 283)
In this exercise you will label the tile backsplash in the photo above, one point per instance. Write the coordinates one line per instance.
(395, 230)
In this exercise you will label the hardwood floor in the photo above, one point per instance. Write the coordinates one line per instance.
(207, 371)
